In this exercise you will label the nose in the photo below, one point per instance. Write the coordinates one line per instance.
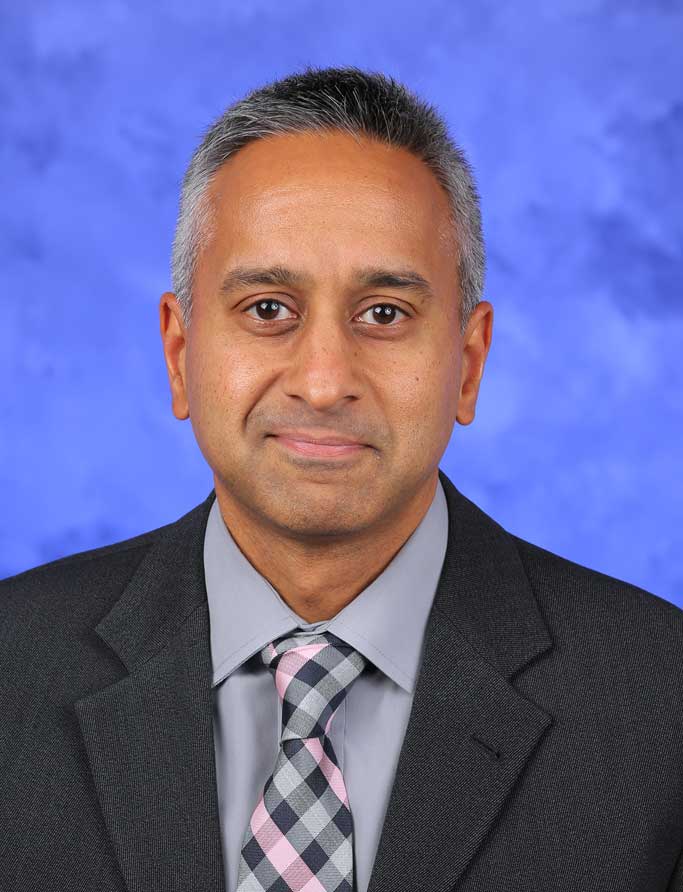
(323, 368)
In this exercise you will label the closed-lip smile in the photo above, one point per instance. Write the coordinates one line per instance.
(319, 447)
(317, 439)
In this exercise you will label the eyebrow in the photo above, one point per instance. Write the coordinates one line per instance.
(365, 277)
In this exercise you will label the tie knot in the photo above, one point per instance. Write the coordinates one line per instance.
(313, 672)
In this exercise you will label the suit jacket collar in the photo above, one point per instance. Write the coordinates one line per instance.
(149, 737)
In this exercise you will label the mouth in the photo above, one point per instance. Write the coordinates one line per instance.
(319, 450)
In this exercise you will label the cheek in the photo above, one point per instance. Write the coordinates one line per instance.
(223, 385)
(416, 420)
(427, 385)
(425, 399)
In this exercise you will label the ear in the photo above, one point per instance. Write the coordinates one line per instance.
(173, 336)
(476, 343)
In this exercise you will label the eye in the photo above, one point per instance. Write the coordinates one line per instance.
(266, 305)
(383, 313)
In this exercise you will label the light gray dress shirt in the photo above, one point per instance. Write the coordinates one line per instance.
(385, 622)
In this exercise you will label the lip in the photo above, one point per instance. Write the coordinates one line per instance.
(316, 449)
(302, 436)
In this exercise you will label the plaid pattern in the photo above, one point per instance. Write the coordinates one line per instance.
(300, 836)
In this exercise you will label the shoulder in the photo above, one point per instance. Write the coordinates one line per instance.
(49, 611)
(592, 612)
(50, 653)
(589, 588)
(66, 580)
(57, 605)
(62, 579)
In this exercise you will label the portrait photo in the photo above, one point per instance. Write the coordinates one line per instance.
(342, 546)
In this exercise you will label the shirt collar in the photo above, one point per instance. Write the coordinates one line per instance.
(385, 622)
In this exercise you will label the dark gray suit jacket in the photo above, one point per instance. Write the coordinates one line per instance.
(544, 751)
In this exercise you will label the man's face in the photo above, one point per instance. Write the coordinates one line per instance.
(329, 356)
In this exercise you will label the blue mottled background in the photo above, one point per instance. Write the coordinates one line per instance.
(572, 113)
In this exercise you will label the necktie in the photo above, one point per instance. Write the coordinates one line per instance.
(300, 836)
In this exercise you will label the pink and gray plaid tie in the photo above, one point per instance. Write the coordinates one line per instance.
(300, 836)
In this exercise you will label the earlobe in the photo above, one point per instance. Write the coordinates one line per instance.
(179, 402)
(179, 399)
(465, 415)
(467, 397)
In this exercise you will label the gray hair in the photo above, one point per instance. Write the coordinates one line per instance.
(345, 99)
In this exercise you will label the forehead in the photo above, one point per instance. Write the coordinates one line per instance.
(331, 186)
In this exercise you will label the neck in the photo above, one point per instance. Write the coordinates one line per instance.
(317, 580)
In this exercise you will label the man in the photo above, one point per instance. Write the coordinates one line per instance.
(336, 672)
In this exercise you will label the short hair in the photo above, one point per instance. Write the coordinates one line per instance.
(345, 99)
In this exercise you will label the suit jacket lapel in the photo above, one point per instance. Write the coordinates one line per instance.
(470, 732)
(149, 737)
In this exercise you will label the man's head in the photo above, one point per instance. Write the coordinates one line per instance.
(328, 267)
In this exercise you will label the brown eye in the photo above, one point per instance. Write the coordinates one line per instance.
(384, 314)
(267, 309)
